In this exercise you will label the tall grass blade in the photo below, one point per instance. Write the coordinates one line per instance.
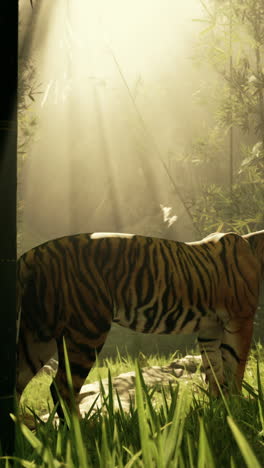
(260, 387)
(247, 452)
(79, 444)
(172, 436)
(160, 449)
(133, 459)
(205, 458)
(181, 462)
(261, 418)
(43, 451)
(110, 395)
(250, 389)
(106, 458)
(143, 425)
(21, 463)
(165, 406)
(120, 405)
(64, 406)
(69, 462)
(190, 451)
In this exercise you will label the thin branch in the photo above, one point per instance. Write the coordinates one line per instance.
(150, 136)
(178, 192)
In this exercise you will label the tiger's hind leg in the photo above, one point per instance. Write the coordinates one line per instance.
(209, 339)
(81, 358)
(235, 348)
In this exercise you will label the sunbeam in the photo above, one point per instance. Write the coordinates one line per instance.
(106, 73)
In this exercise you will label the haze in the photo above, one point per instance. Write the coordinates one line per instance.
(117, 83)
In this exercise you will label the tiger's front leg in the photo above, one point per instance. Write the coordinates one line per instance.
(210, 339)
(227, 350)
(235, 348)
(81, 358)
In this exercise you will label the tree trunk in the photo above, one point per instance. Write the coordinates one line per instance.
(8, 151)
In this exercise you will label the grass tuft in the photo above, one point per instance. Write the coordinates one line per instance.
(168, 426)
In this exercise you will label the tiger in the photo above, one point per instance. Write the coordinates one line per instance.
(74, 287)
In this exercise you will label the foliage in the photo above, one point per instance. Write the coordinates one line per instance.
(28, 88)
(232, 43)
(230, 154)
(242, 210)
(27, 122)
(184, 430)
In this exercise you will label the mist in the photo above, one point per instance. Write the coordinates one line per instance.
(114, 106)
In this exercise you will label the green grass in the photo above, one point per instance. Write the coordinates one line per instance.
(183, 430)
(37, 395)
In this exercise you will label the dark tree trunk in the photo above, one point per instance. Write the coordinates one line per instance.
(8, 151)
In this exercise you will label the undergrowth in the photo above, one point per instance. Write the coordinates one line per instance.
(184, 430)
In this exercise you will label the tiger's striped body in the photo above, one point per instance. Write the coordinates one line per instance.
(76, 286)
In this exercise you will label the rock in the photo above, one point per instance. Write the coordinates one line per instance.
(124, 383)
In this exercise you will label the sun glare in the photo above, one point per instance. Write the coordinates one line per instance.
(101, 68)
